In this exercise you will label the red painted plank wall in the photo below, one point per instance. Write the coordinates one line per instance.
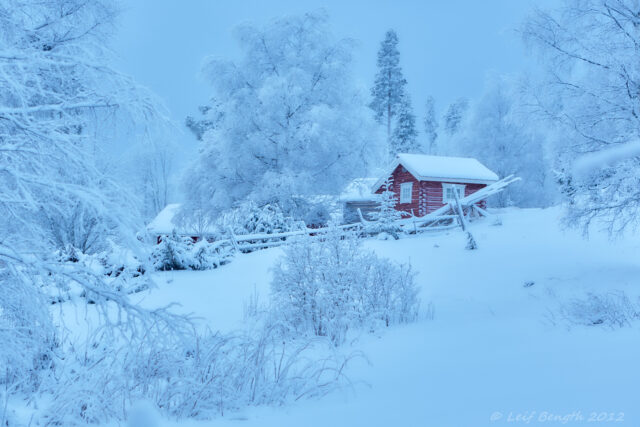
(427, 195)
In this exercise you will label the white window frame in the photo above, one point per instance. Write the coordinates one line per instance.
(457, 187)
(406, 192)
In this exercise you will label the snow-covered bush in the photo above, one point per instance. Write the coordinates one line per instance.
(317, 215)
(207, 256)
(228, 372)
(27, 332)
(174, 252)
(326, 286)
(177, 252)
(249, 218)
(613, 309)
(120, 270)
(195, 376)
(89, 390)
(79, 227)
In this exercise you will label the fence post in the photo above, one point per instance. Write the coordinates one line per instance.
(234, 242)
(362, 220)
(415, 228)
(460, 212)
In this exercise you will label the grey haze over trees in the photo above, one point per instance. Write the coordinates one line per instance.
(294, 123)
(431, 125)
(591, 96)
(454, 116)
(149, 171)
(391, 102)
(499, 132)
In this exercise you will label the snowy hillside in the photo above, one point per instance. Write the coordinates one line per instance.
(329, 254)
(502, 342)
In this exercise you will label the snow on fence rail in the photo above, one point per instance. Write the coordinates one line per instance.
(434, 221)
(444, 218)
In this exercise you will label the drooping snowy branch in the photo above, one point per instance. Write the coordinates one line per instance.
(591, 94)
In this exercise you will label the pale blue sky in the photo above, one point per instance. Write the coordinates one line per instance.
(447, 47)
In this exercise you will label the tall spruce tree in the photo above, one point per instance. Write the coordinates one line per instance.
(404, 138)
(390, 102)
(430, 126)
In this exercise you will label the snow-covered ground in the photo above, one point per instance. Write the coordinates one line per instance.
(496, 349)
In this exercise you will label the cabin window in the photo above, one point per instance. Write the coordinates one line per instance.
(406, 192)
(448, 195)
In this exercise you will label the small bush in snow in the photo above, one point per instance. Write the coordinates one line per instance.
(80, 227)
(120, 270)
(327, 286)
(181, 253)
(612, 309)
(207, 256)
(173, 253)
(249, 218)
(317, 215)
(471, 242)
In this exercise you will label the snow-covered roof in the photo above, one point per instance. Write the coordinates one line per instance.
(358, 190)
(440, 168)
(163, 222)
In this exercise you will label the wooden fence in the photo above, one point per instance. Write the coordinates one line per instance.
(447, 217)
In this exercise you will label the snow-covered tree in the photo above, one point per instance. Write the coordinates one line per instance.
(405, 136)
(390, 100)
(210, 117)
(386, 214)
(57, 89)
(591, 95)
(499, 133)
(453, 117)
(293, 123)
(430, 123)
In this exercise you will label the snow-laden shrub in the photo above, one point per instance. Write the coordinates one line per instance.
(176, 252)
(79, 227)
(89, 390)
(326, 286)
(194, 377)
(207, 256)
(317, 215)
(229, 372)
(613, 309)
(122, 271)
(250, 218)
(27, 332)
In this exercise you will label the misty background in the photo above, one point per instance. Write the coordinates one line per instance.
(447, 49)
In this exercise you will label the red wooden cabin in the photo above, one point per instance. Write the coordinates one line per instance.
(425, 183)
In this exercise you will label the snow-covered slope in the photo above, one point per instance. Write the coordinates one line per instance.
(497, 346)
